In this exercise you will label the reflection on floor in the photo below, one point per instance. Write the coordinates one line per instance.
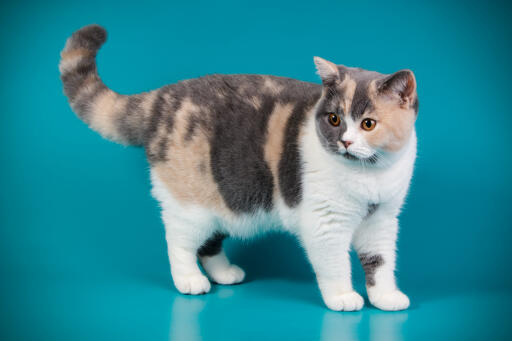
(265, 309)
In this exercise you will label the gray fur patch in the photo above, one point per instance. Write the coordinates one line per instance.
(212, 246)
(233, 113)
(328, 134)
(370, 264)
(238, 108)
(129, 122)
(74, 78)
(90, 37)
(162, 112)
(361, 100)
(290, 166)
(372, 208)
(237, 157)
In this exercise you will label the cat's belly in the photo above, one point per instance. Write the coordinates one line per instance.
(252, 224)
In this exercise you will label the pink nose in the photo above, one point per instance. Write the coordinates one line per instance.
(346, 143)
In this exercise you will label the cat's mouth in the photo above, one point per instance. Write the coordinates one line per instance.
(349, 156)
(370, 159)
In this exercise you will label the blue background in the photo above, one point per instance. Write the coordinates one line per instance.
(82, 249)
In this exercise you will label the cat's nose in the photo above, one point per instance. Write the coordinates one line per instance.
(346, 143)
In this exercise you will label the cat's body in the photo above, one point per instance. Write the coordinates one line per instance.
(237, 155)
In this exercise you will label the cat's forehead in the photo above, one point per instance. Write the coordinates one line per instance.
(354, 91)
(358, 74)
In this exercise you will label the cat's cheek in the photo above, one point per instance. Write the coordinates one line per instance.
(394, 125)
(390, 136)
(379, 139)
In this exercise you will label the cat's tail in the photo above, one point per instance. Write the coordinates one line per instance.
(120, 118)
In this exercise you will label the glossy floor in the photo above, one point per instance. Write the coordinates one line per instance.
(267, 309)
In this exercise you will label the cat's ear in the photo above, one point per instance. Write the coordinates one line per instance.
(402, 85)
(327, 71)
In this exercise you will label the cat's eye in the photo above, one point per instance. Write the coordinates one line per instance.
(334, 119)
(368, 124)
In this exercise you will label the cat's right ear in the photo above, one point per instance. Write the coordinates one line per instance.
(327, 71)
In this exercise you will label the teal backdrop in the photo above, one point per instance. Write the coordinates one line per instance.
(82, 251)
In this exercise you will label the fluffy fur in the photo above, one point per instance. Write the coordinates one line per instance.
(238, 155)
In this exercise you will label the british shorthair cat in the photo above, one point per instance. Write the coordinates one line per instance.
(238, 155)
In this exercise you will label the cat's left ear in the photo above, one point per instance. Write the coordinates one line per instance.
(402, 85)
(327, 71)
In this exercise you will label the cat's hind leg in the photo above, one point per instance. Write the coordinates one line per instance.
(216, 263)
(191, 235)
(187, 228)
(183, 241)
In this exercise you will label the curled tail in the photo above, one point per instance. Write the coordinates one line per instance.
(117, 117)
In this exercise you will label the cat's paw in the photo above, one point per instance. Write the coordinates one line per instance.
(349, 301)
(231, 274)
(192, 284)
(390, 300)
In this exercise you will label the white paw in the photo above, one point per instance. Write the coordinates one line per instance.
(391, 300)
(192, 284)
(231, 274)
(350, 301)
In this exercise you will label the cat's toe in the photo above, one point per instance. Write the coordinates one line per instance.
(350, 301)
(391, 301)
(192, 284)
(232, 274)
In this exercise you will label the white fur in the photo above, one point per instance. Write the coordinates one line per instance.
(336, 196)
(221, 271)
(330, 218)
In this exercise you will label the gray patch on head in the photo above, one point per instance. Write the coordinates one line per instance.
(328, 134)
(361, 100)
(370, 264)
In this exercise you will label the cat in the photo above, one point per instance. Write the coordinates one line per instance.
(238, 155)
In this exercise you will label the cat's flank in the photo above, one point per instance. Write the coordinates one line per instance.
(238, 155)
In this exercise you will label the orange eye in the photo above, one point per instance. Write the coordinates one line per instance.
(334, 119)
(368, 124)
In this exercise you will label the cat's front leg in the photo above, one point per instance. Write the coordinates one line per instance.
(375, 243)
(326, 237)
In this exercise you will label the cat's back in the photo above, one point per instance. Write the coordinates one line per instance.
(230, 141)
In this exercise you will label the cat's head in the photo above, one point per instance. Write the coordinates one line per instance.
(363, 116)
